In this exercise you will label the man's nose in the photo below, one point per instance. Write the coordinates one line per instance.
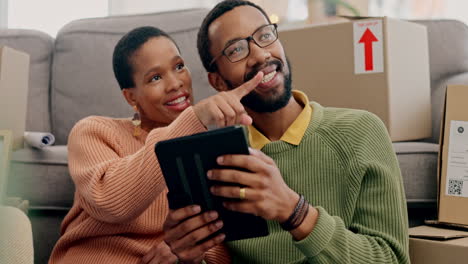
(257, 55)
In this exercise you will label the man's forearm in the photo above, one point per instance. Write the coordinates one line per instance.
(307, 226)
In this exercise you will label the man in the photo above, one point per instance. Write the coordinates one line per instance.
(340, 160)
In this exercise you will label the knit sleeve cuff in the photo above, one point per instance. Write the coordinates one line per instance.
(320, 236)
(187, 123)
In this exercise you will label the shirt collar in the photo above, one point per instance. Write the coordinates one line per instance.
(295, 132)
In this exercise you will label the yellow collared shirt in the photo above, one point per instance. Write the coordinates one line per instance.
(295, 131)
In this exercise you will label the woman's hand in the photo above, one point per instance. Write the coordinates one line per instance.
(159, 254)
(225, 109)
(185, 228)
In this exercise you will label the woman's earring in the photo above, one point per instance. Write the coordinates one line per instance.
(136, 122)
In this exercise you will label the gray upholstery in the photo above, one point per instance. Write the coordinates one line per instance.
(41, 176)
(418, 164)
(79, 82)
(448, 58)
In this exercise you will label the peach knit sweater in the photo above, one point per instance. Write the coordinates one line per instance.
(120, 200)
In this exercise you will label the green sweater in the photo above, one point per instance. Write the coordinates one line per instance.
(345, 166)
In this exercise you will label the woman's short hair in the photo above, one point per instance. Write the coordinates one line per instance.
(126, 47)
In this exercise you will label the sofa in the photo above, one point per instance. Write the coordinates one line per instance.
(71, 77)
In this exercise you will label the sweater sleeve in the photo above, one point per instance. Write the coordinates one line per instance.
(218, 255)
(378, 230)
(113, 187)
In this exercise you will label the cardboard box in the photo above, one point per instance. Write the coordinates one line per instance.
(430, 245)
(14, 79)
(378, 64)
(5, 152)
(453, 157)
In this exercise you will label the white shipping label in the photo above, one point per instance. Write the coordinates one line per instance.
(457, 161)
(368, 46)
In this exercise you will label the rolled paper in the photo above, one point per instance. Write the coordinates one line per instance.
(39, 139)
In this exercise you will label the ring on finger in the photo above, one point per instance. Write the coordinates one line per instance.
(242, 193)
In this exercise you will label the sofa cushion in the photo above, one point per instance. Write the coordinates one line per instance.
(39, 46)
(418, 164)
(448, 57)
(41, 176)
(83, 82)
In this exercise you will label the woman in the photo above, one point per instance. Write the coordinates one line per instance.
(120, 201)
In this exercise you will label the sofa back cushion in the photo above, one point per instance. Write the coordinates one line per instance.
(448, 60)
(83, 82)
(39, 46)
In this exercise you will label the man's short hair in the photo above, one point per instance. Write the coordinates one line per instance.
(203, 41)
(126, 47)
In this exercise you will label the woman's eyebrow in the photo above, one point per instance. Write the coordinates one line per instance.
(152, 69)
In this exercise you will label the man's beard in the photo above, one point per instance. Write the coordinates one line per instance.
(258, 103)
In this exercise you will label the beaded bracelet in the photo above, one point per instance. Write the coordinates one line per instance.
(298, 215)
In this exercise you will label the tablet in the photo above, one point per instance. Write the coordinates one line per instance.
(184, 163)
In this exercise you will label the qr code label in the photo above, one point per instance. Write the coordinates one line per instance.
(455, 187)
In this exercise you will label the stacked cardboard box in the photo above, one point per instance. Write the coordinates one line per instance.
(430, 245)
(377, 64)
(14, 78)
(448, 244)
(453, 158)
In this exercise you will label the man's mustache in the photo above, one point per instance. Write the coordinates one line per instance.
(279, 68)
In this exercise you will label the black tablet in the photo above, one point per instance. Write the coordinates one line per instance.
(184, 163)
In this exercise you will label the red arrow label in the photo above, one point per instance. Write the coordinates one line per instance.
(368, 38)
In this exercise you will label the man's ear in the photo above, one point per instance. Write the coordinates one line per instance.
(129, 94)
(217, 82)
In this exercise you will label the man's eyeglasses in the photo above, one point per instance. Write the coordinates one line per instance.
(240, 49)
